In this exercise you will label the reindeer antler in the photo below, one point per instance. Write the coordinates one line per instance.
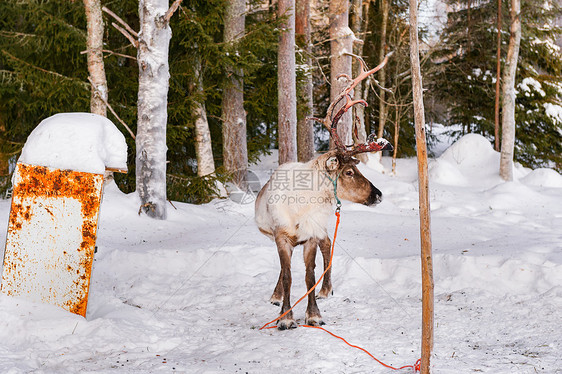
(331, 122)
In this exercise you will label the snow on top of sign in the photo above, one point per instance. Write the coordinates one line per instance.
(76, 141)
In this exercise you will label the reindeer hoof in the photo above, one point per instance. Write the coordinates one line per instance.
(286, 324)
(323, 294)
(314, 321)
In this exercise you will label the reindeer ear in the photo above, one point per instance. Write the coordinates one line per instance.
(332, 163)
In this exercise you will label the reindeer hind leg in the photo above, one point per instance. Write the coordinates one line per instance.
(285, 250)
(325, 245)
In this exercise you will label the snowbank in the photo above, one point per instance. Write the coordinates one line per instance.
(543, 178)
(76, 141)
(188, 294)
(470, 161)
(470, 158)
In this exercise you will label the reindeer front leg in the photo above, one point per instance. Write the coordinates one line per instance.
(313, 317)
(285, 250)
(325, 247)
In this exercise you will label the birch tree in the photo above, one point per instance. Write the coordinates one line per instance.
(203, 148)
(94, 45)
(359, 22)
(287, 102)
(382, 73)
(305, 130)
(152, 56)
(498, 75)
(508, 92)
(341, 44)
(235, 149)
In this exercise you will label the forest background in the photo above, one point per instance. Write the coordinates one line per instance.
(44, 71)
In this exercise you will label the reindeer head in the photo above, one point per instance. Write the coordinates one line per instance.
(351, 184)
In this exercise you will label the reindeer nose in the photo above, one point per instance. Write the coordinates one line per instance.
(375, 197)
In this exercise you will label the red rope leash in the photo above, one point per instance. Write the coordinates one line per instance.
(416, 367)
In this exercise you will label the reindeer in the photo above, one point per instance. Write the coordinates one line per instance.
(294, 206)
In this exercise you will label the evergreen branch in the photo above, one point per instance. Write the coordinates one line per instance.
(172, 10)
(10, 154)
(110, 108)
(8, 75)
(6, 141)
(61, 21)
(120, 20)
(14, 58)
(15, 34)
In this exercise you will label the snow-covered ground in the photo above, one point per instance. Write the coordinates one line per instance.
(189, 294)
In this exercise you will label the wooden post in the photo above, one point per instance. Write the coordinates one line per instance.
(425, 219)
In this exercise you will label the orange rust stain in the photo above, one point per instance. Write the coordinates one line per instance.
(41, 182)
(80, 306)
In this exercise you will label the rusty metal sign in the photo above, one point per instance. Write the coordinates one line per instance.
(51, 236)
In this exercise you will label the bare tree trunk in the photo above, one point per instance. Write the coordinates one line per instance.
(305, 129)
(397, 118)
(508, 93)
(94, 45)
(423, 181)
(382, 72)
(4, 159)
(235, 148)
(152, 56)
(341, 42)
(287, 84)
(359, 22)
(203, 148)
(498, 75)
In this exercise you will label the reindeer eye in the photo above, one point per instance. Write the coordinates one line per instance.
(349, 173)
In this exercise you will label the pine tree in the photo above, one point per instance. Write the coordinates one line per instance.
(234, 135)
(43, 72)
(305, 108)
(397, 102)
(465, 76)
(40, 74)
(287, 96)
